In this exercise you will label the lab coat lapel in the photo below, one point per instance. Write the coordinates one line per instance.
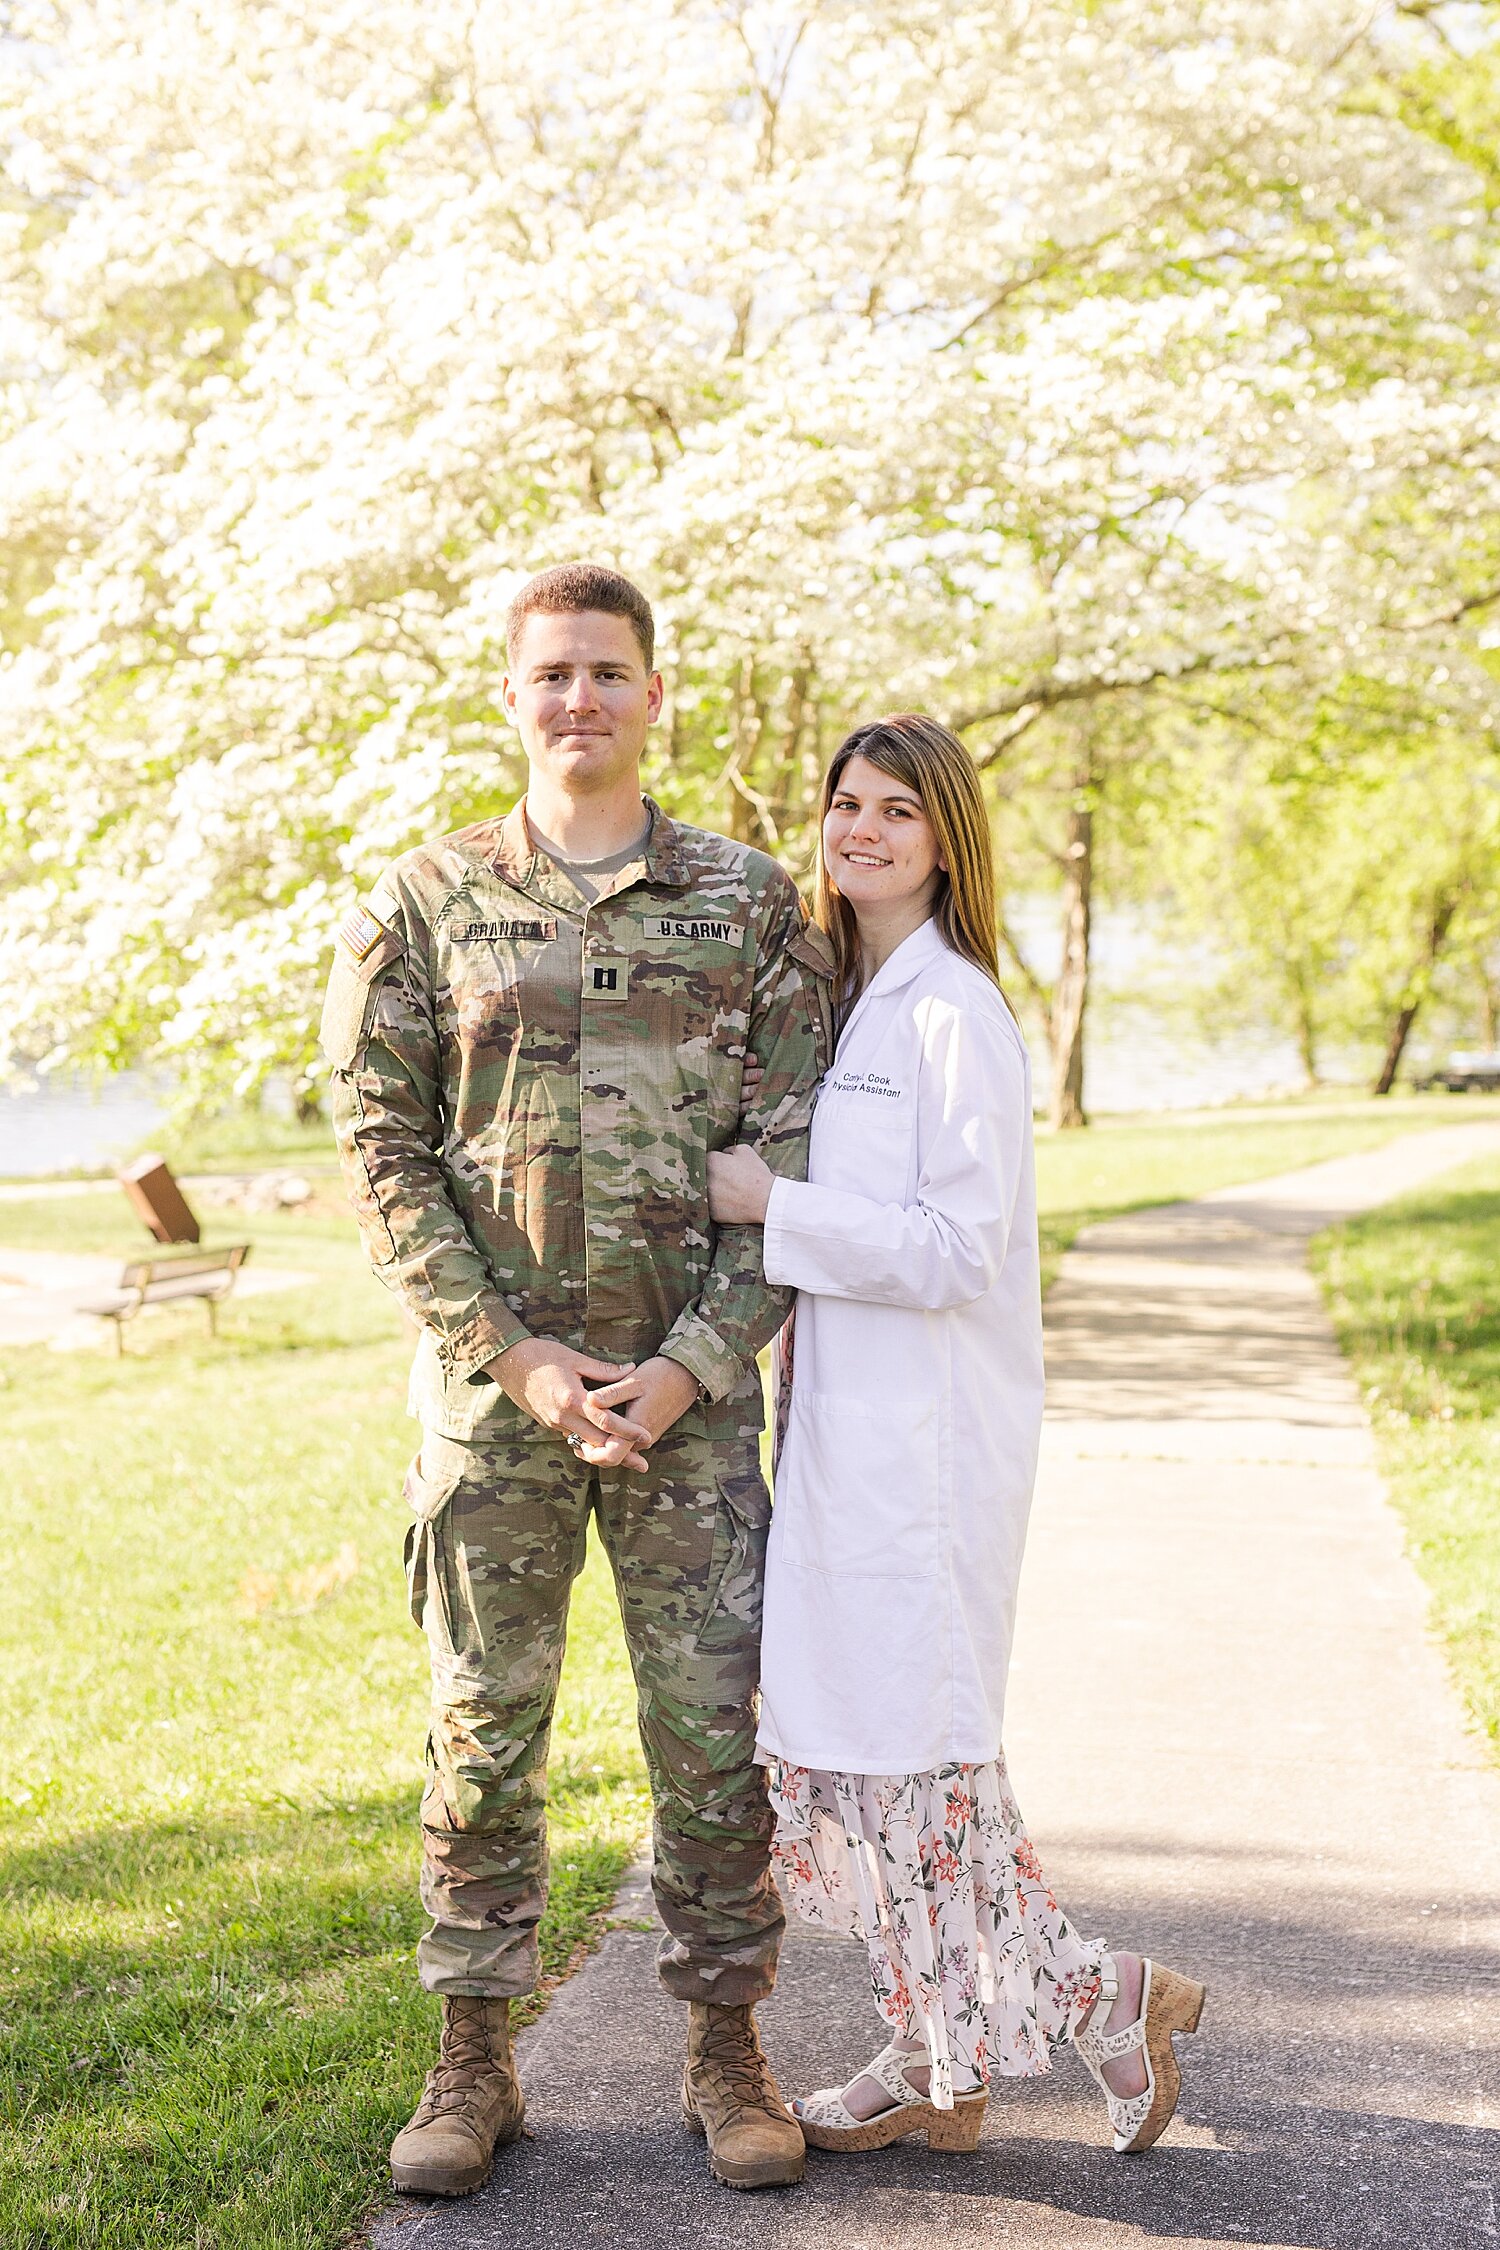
(909, 959)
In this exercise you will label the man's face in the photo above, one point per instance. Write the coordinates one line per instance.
(581, 699)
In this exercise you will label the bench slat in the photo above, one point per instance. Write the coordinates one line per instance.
(201, 1285)
(208, 1275)
(143, 1273)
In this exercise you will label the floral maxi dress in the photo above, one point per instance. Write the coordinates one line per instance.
(969, 1951)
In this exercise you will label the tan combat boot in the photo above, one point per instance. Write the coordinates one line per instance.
(470, 2106)
(729, 2095)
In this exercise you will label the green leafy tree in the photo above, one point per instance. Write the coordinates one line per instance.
(1345, 859)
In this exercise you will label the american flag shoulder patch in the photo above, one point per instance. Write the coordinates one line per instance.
(362, 932)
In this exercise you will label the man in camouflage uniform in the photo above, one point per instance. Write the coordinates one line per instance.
(537, 1030)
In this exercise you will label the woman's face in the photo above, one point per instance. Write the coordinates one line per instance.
(878, 844)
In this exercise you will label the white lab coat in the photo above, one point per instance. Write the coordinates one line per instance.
(905, 1477)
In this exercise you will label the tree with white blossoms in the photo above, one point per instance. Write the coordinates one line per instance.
(1031, 361)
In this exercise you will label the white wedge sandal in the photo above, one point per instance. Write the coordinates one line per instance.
(1168, 2003)
(828, 2122)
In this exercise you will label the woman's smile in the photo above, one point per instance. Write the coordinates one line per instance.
(881, 852)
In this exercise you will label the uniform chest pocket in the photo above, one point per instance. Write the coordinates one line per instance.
(693, 1004)
(509, 977)
(693, 989)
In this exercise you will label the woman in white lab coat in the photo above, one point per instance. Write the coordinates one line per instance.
(910, 1430)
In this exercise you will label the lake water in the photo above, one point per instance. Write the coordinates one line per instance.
(64, 1126)
(1137, 1064)
(1144, 1053)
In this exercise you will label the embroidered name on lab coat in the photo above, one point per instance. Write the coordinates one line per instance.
(666, 925)
(868, 1082)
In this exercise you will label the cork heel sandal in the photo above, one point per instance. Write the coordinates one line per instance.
(1169, 2003)
(827, 2121)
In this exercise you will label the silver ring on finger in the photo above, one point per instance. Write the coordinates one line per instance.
(573, 1441)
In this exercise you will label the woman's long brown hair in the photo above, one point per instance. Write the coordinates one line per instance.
(919, 752)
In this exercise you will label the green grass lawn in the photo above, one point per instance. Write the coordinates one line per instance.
(1415, 1293)
(212, 1713)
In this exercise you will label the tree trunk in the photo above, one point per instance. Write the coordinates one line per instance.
(1307, 1052)
(1489, 1010)
(745, 738)
(1307, 1033)
(1416, 993)
(786, 791)
(1070, 998)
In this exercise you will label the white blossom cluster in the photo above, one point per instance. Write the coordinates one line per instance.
(988, 355)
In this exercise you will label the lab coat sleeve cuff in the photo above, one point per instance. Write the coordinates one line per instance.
(704, 1353)
(780, 1228)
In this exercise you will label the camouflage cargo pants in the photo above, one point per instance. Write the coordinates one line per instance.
(498, 1539)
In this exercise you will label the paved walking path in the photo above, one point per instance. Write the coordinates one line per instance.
(1235, 1746)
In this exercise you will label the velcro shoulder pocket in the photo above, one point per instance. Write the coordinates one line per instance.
(352, 985)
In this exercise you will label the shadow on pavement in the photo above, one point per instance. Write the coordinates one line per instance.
(1322, 2106)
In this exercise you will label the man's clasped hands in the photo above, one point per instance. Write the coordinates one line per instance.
(552, 1382)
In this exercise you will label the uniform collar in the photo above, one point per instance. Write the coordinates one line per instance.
(516, 856)
(666, 860)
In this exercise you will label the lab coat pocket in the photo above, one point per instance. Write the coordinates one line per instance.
(863, 1145)
(862, 1488)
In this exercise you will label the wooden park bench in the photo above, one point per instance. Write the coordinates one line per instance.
(179, 1272)
(209, 1274)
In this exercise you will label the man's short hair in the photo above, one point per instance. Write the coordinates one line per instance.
(570, 588)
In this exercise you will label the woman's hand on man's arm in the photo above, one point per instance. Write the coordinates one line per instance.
(739, 1180)
(739, 1186)
(750, 1078)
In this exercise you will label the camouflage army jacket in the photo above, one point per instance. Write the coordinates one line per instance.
(525, 1088)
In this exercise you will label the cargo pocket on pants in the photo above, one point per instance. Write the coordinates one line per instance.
(737, 1565)
(431, 1481)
